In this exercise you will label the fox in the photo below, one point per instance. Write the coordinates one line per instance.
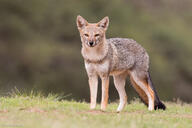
(119, 58)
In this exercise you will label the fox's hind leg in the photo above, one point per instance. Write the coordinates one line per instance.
(143, 88)
(119, 81)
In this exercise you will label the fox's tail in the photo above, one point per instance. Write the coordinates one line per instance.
(158, 104)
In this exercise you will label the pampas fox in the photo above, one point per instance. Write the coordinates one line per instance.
(117, 57)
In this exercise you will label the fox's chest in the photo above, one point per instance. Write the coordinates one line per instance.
(99, 69)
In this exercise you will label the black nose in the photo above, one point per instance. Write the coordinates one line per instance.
(91, 43)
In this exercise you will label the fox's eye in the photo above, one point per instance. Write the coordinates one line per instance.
(86, 35)
(96, 35)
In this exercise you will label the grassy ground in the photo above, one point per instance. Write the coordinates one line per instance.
(41, 112)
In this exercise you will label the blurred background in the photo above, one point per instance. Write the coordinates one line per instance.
(40, 44)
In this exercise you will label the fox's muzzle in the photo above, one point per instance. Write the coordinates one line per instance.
(91, 44)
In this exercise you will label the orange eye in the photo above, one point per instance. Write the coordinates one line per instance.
(96, 35)
(86, 35)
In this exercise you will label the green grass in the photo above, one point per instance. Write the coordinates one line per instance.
(48, 112)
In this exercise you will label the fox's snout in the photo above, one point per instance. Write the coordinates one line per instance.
(90, 40)
(91, 44)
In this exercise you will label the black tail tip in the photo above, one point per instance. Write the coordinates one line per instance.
(160, 105)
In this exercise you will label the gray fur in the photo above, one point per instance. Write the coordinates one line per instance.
(124, 54)
(129, 55)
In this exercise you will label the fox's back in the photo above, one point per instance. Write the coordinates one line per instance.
(128, 53)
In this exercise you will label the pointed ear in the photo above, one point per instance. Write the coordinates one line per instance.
(81, 22)
(104, 23)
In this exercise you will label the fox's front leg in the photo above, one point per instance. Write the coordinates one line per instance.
(105, 92)
(93, 85)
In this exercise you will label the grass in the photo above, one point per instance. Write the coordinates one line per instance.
(47, 112)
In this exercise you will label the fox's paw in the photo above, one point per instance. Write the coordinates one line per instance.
(103, 107)
(92, 106)
(121, 107)
(151, 108)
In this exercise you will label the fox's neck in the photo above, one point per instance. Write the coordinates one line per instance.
(97, 53)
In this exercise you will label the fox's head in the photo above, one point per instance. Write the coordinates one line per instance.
(92, 34)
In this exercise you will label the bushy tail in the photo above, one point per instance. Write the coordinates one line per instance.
(158, 104)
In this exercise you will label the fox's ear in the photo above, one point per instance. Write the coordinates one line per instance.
(81, 22)
(104, 23)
